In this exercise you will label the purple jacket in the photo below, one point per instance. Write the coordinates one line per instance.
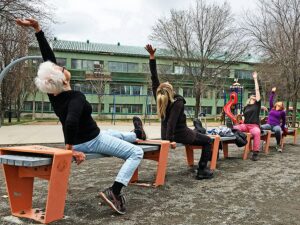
(276, 117)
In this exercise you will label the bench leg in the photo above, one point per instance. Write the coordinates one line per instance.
(215, 150)
(135, 176)
(189, 155)
(19, 181)
(162, 164)
(225, 150)
(247, 147)
(19, 190)
(267, 139)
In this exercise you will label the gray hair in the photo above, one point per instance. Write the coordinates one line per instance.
(49, 79)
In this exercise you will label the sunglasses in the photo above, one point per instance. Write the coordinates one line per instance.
(63, 69)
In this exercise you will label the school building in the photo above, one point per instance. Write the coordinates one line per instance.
(119, 77)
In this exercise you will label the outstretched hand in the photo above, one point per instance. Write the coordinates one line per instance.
(29, 23)
(151, 50)
(79, 157)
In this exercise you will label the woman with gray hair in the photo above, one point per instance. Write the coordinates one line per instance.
(81, 132)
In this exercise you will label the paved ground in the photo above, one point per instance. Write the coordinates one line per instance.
(242, 192)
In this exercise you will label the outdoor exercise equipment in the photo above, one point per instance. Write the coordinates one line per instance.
(5, 71)
(235, 103)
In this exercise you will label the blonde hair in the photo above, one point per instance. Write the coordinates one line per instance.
(280, 104)
(164, 94)
(49, 79)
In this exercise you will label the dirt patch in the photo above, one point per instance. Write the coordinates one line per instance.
(242, 192)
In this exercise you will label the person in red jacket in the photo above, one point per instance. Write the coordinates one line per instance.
(170, 109)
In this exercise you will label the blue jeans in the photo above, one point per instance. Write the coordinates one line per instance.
(115, 143)
(276, 129)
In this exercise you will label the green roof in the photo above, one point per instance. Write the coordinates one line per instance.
(90, 47)
(117, 49)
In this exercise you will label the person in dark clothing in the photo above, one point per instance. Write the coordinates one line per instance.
(252, 123)
(81, 132)
(170, 109)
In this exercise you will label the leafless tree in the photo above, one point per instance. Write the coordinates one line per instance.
(274, 29)
(204, 40)
(98, 78)
(14, 43)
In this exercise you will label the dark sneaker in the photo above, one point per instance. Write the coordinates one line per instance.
(254, 156)
(198, 125)
(138, 128)
(204, 174)
(117, 203)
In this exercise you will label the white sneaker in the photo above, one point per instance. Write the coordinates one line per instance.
(278, 148)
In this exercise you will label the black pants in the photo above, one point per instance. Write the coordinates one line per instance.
(206, 142)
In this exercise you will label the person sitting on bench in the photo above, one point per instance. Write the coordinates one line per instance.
(252, 122)
(170, 109)
(276, 119)
(81, 132)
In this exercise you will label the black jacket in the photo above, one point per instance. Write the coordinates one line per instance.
(173, 127)
(71, 107)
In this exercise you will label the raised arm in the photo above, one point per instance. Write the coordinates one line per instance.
(152, 64)
(257, 93)
(46, 51)
(271, 99)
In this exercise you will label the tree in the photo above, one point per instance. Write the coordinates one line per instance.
(205, 42)
(274, 30)
(14, 42)
(98, 79)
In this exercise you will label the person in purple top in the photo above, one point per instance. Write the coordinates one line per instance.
(276, 119)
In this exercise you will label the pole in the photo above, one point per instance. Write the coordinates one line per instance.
(5, 71)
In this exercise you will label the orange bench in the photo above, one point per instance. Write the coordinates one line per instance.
(24, 163)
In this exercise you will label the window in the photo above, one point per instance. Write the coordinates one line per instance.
(145, 68)
(219, 110)
(136, 90)
(164, 69)
(61, 61)
(81, 64)
(179, 69)
(189, 111)
(126, 108)
(123, 67)
(95, 107)
(243, 74)
(122, 89)
(132, 67)
(151, 109)
(28, 106)
(206, 109)
(47, 107)
(188, 92)
(38, 106)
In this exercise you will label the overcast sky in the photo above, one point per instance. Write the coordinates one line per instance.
(129, 22)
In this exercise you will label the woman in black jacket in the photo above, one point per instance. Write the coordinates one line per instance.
(170, 109)
(81, 132)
